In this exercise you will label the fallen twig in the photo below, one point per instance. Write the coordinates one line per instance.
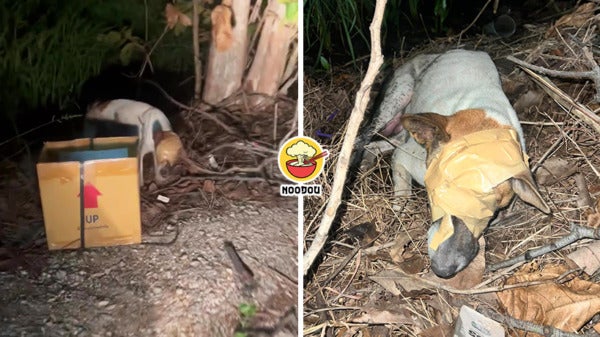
(341, 266)
(242, 270)
(196, 46)
(543, 330)
(187, 107)
(356, 117)
(563, 99)
(428, 283)
(577, 233)
(249, 147)
(593, 75)
(194, 168)
(567, 135)
(584, 199)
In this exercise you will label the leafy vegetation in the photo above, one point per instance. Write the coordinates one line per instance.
(327, 20)
(37, 56)
(48, 48)
(341, 26)
(247, 312)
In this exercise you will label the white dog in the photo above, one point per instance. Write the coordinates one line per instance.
(148, 120)
(466, 146)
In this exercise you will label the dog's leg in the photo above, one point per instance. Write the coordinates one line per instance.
(376, 149)
(400, 175)
(145, 148)
(141, 162)
(141, 148)
(157, 175)
(408, 163)
(380, 148)
(148, 119)
(372, 151)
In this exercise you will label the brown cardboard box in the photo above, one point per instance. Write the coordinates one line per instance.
(111, 204)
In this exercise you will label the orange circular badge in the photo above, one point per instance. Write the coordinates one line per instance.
(301, 159)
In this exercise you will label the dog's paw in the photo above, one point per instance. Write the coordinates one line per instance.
(372, 151)
(368, 161)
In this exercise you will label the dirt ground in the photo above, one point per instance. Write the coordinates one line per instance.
(185, 279)
(373, 278)
(188, 288)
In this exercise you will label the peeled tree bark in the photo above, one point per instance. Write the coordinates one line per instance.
(275, 57)
(228, 50)
(274, 66)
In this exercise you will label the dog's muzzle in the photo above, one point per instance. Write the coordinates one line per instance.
(460, 182)
(456, 252)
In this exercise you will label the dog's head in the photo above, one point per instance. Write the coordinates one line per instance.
(169, 148)
(475, 166)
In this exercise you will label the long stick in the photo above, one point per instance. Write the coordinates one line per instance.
(196, 44)
(356, 117)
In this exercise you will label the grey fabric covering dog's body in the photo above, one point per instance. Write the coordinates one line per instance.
(435, 97)
(444, 84)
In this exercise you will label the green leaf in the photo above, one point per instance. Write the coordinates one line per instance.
(413, 6)
(291, 12)
(324, 63)
(247, 310)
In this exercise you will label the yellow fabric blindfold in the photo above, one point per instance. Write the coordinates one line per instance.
(461, 178)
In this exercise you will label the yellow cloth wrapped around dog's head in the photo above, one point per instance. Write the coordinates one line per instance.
(461, 178)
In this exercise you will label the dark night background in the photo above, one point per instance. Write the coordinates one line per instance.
(56, 57)
(330, 25)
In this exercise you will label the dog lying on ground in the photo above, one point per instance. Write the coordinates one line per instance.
(465, 145)
(152, 126)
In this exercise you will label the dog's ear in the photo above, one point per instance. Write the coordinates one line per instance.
(524, 186)
(428, 129)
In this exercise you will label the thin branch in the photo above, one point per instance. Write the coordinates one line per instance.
(428, 283)
(593, 75)
(543, 330)
(189, 108)
(474, 20)
(577, 233)
(356, 117)
(145, 20)
(293, 129)
(578, 109)
(196, 43)
(147, 56)
(194, 168)
(576, 75)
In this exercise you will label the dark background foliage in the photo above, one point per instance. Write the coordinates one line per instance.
(337, 31)
(50, 50)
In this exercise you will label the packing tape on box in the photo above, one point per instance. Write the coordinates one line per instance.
(460, 179)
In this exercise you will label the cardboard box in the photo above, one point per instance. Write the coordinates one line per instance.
(105, 172)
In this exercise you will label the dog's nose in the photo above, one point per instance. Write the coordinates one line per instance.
(443, 270)
(455, 253)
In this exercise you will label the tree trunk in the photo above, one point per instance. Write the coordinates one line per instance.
(272, 54)
(227, 59)
(196, 44)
